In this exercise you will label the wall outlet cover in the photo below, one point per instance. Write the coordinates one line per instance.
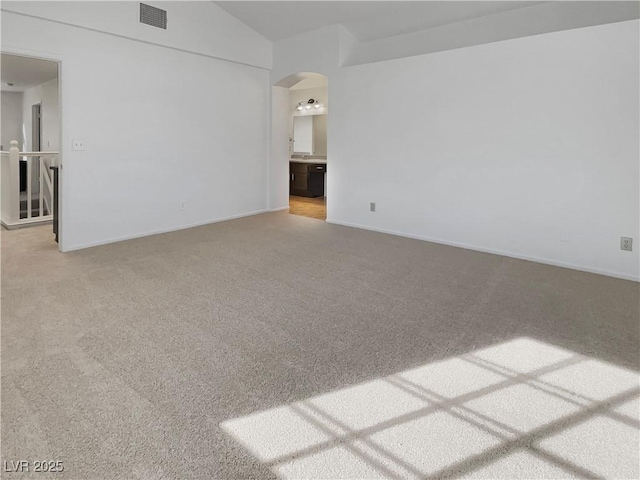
(78, 144)
(626, 243)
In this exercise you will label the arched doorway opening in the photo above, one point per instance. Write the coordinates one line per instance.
(298, 173)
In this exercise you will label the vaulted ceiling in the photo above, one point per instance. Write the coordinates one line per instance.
(374, 21)
(366, 20)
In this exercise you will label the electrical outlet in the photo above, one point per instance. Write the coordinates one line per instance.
(183, 205)
(626, 243)
(78, 144)
(372, 207)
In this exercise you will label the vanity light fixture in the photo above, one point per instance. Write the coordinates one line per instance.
(308, 104)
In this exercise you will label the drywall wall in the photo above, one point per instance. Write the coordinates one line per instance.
(526, 147)
(320, 135)
(45, 94)
(199, 27)
(314, 51)
(162, 128)
(11, 109)
(280, 153)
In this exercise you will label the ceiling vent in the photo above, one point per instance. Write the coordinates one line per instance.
(156, 17)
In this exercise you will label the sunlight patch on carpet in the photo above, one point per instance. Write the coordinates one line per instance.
(520, 409)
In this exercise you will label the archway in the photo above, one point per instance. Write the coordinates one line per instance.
(298, 157)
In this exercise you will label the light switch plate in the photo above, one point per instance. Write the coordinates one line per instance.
(78, 144)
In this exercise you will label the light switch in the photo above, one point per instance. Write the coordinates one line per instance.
(78, 144)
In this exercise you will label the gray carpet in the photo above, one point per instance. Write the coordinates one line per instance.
(279, 345)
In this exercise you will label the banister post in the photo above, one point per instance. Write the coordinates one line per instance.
(11, 185)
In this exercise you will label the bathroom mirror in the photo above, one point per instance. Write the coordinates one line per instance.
(310, 135)
(303, 134)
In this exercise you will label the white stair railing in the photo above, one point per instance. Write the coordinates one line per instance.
(12, 213)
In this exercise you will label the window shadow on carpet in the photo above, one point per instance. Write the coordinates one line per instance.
(519, 409)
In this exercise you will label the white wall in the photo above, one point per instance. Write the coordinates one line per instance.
(279, 158)
(315, 51)
(320, 134)
(11, 129)
(527, 147)
(160, 126)
(194, 26)
(11, 120)
(46, 95)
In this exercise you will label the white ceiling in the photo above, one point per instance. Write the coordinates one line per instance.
(25, 72)
(366, 20)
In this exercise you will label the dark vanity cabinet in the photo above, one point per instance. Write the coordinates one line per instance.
(306, 179)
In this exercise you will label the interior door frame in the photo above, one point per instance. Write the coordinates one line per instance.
(36, 146)
(61, 61)
(36, 127)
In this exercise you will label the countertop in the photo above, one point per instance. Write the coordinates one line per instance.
(308, 160)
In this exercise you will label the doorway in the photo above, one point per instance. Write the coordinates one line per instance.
(308, 207)
(30, 141)
(299, 129)
(33, 176)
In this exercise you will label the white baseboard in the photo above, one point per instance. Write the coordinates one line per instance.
(279, 209)
(503, 253)
(158, 232)
(33, 222)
